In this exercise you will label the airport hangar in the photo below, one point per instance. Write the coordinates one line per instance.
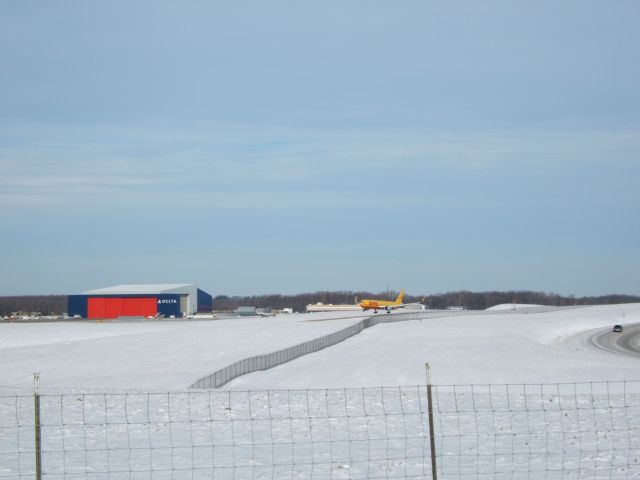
(149, 300)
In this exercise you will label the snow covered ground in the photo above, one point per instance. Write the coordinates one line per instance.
(505, 347)
(309, 418)
(144, 355)
(501, 348)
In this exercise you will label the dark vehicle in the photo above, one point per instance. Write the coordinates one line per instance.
(617, 328)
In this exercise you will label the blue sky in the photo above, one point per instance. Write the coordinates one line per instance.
(283, 147)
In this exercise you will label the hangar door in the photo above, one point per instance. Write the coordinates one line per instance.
(114, 307)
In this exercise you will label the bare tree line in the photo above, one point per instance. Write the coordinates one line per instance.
(57, 304)
(466, 299)
(43, 304)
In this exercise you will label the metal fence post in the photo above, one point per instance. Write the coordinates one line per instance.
(432, 434)
(36, 410)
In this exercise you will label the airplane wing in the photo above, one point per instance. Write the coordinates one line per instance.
(414, 304)
(421, 303)
(402, 305)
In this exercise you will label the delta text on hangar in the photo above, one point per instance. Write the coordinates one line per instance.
(148, 300)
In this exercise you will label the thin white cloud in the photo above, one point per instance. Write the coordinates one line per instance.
(27, 200)
(55, 182)
(277, 164)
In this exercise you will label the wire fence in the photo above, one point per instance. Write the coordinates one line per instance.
(573, 430)
(547, 431)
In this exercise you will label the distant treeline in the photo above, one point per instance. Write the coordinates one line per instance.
(468, 300)
(57, 304)
(44, 304)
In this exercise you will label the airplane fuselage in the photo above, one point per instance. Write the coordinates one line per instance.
(375, 305)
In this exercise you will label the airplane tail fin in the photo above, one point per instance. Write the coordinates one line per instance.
(400, 297)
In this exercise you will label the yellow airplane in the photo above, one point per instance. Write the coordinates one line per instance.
(387, 305)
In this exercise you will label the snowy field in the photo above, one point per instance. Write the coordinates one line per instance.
(502, 348)
(160, 355)
(144, 355)
(517, 395)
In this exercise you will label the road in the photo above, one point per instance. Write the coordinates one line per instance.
(624, 343)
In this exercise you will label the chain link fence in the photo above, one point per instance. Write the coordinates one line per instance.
(264, 362)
